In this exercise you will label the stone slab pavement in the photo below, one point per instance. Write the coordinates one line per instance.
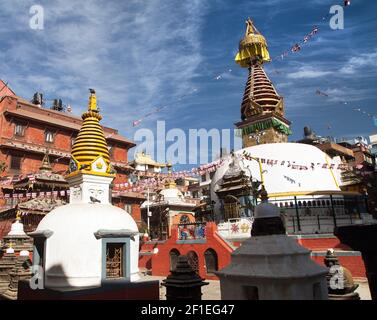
(212, 291)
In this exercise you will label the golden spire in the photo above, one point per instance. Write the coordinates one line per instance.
(46, 165)
(90, 142)
(18, 215)
(169, 182)
(253, 47)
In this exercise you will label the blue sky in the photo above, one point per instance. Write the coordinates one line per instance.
(144, 54)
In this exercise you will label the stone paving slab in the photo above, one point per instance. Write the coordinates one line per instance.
(212, 291)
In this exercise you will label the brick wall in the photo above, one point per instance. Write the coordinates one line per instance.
(160, 262)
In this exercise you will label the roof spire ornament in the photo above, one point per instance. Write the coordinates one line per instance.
(46, 165)
(18, 215)
(169, 182)
(90, 151)
(253, 47)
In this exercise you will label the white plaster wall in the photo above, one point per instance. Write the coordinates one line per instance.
(85, 186)
(73, 254)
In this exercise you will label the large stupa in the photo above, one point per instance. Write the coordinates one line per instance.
(303, 181)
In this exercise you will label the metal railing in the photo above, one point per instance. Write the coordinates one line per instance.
(321, 214)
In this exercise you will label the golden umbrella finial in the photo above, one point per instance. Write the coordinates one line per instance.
(253, 47)
(92, 100)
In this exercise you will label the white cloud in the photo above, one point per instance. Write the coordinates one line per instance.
(363, 60)
(136, 54)
(307, 72)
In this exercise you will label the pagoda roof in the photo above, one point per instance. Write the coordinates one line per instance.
(44, 177)
(40, 205)
(143, 158)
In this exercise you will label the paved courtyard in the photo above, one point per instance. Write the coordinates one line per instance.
(212, 291)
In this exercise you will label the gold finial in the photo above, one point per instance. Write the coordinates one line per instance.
(253, 47)
(18, 215)
(170, 183)
(90, 143)
(46, 165)
(169, 166)
(92, 101)
(249, 27)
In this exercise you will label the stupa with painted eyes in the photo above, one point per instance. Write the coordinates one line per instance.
(88, 241)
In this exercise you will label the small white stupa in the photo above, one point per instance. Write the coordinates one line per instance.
(88, 241)
(17, 241)
(272, 266)
(17, 229)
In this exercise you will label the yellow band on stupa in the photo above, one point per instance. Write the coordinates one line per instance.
(90, 142)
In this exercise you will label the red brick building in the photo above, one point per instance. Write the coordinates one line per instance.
(28, 131)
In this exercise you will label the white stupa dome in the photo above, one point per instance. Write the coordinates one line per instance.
(17, 229)
(171, 194)
(73, 253)
(24, 253)
(280, 179)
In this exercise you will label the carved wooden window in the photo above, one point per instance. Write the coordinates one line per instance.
(232, 210)
(114, 260)
(15, 162)
(19, 130)
(49, 136)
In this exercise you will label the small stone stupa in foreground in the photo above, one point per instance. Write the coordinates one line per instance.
(272, 266)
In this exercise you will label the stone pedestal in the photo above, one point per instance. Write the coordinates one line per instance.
(21, 271)
(363, 238)
(272, 266)
(183, 283)
(7, 263)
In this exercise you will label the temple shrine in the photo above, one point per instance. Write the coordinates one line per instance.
(34, 196)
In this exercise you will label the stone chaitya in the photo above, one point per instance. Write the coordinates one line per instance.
(271, 265)
(339, 279)
(15, 261)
